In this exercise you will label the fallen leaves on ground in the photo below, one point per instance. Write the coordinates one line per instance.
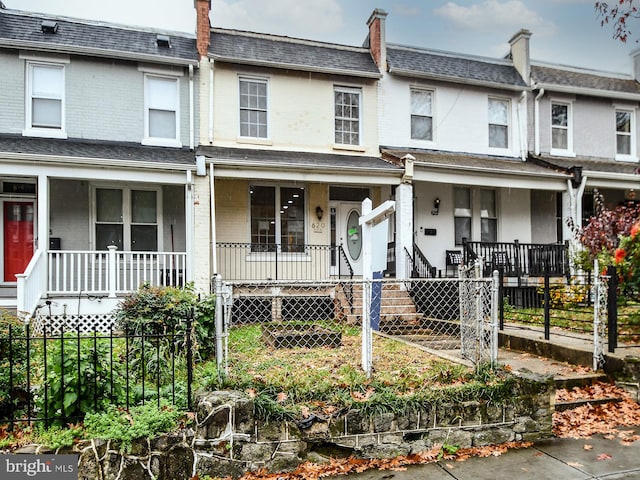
(343, 466)
(604, 418)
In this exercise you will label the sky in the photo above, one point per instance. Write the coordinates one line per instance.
(565, 32)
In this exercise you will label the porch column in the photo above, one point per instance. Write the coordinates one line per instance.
(198, 233)
(404, 228)
(43, 228)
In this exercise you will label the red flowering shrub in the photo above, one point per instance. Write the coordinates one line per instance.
(627, 259)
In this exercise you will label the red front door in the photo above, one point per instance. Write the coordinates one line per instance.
(18, 238)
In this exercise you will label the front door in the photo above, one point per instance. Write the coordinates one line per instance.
(17, 238)
(346, 232)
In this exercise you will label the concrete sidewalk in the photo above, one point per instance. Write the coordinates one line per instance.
(554, 459)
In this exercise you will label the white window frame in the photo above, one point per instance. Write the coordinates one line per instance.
(507, 124)
(265, 82)
(568, 152)
(161, 141)
(30, 130)
(127, 213)
(485, 214)
(349, 90)
(632, 157)
(431, 93)
(463, 212)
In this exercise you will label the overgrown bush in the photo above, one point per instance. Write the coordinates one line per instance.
(81, 378)
(627, 260)
(13, 364)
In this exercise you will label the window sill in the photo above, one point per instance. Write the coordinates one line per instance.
(626, 158)
(161, 142)
(351, 148)
(254, 141)
(44, 133)
(562, 153)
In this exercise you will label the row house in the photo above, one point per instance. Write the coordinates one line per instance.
(96, 158)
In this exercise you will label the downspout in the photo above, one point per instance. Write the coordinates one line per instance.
(523, 126)
(212, 200)
(210, 101)
(536, 123)
(191, 111)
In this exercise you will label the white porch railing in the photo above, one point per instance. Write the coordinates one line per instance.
(31, 285)
(112, 272)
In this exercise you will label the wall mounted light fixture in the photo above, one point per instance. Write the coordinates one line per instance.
(436, 206)
(319, 212)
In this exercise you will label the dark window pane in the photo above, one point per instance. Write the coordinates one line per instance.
(144, 238)
(108, 234)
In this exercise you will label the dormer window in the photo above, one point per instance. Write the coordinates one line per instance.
(49, 26)
(163, 41)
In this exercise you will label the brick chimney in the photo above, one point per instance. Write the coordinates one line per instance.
(520, 55)
(203, 26)
(377, 38)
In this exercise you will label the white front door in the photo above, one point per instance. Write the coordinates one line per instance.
(347, 233)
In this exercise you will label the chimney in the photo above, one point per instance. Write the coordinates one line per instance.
(520, 55)
(635, 55)
(377, 40)
(203, 26)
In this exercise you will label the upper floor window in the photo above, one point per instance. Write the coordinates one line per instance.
(561, 135)
(127, 218)
(347, 116)
(162, 113)
(421, 115)
(253, 108)
(45, 100)
(625, 135)
(498, 123)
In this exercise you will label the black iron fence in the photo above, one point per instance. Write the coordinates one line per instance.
(567, 308)
(58, 378)
(519, 259)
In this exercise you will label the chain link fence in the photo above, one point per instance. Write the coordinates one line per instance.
(452, 318)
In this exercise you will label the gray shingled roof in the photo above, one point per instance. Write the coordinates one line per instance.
(285, 52)
(280, 159)
(575, 79)
(23, 30)
(451, 67)
(470, 162)
(95, 149)
(597, 165)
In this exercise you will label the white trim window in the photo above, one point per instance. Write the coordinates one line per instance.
(161, 111)
(499, 123)
(561, 128)
(625, 135)
(421, 115)
(45, 100)
(347, 115)
(462, 214)
(253, 108)
(488, 216)
(277, 218)
(129, 218)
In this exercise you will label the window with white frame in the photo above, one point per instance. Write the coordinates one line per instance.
(561, 131)
(462, 214)
(162, 113)
(498, 123)
(127, 218)
(347, 116)
(625, 134)
(277, 218)
(253, 108)
(421, 115)
(45, 99)
(488, 217)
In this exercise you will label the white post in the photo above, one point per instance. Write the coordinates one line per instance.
(404, 228)
(495, 316)
(367, 276)
(219, 324)
(111, 269)
(596, 315)
(43, 229)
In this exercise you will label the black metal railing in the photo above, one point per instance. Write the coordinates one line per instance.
(57, 378)
(418, 265)
(391, 259)
(344, 265)
(518, 259)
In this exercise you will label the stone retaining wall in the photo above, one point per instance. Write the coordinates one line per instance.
(228, 440)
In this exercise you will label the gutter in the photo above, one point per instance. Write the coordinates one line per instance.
(94, 162)
(536, 121)
(592, 92)
(191, 111)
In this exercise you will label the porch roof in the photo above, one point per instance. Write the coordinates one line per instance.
(85, 37)
(280, 159)
(602, 172)
(57, 149)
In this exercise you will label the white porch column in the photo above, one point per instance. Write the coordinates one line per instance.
(43, 228)
(199, 233)
(404, 228)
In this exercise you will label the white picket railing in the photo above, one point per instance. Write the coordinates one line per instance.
(31, 285)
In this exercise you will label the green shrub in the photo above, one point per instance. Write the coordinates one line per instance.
(13, 389)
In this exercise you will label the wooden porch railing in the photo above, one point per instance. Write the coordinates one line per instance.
(31, 285)
(519, 259)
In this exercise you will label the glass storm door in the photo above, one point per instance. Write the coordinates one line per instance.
(351, 235)
(17, 238)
